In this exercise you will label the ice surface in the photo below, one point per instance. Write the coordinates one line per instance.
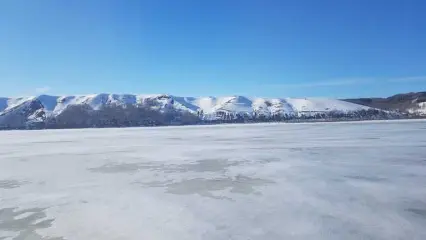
(363, 180)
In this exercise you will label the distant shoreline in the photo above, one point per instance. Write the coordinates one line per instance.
(417, 119)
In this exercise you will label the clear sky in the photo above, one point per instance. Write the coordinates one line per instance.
(270, 48)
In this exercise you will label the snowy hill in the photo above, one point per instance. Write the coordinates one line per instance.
(237, 104)
(16, 113)
(211, 108)
(413, 103)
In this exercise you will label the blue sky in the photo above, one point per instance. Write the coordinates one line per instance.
(271, 48)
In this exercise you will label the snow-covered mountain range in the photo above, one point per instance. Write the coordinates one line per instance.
(209, 105)
(237, 104)
(15, 112)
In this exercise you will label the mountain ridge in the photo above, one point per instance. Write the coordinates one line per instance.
(235, 103)
(98, 110)
(412, 102)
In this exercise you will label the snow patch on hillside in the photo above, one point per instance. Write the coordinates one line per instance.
(421, 109)
(9, 103)
(322, 105)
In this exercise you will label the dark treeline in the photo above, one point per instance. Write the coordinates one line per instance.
(370, 114)
(83, 116)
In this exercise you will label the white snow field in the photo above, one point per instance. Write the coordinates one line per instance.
(364, 180)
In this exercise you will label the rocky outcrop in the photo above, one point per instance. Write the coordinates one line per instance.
(29, 114)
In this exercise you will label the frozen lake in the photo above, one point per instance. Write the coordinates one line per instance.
(363, 180)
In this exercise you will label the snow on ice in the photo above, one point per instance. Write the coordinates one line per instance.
(361, 180)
